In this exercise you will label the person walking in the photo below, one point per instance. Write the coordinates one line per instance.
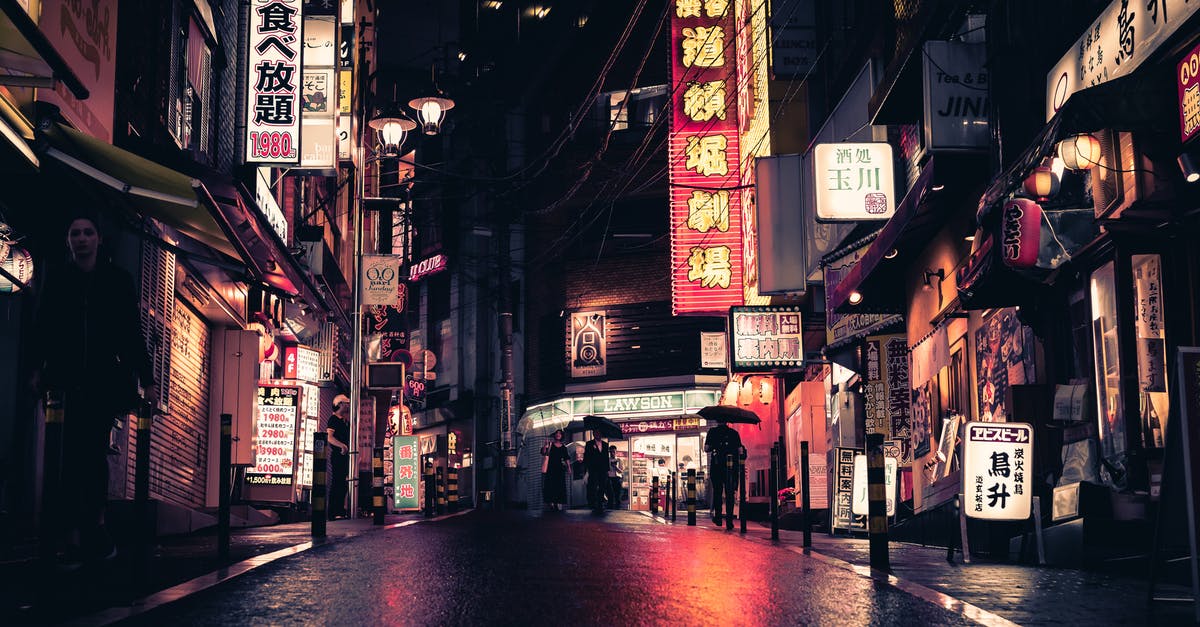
(721, 442)
(554, 472)
(89, 351)
(615, 474)
(595, 461)
(338, 431)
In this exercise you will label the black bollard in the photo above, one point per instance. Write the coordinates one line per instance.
(378, 507)
(52, 510)
(452, 488)
(804, 486)
(673, 495)
(319, 487)
(144, 526)
(741, 470)
(691, 497)
(224, 484)
(877, 530)
(440, 481)
(654, 496)
(774, 491)
(730, 483)
(430, 481)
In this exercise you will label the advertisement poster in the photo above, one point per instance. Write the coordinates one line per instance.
(406, 475)
(922, 419)
(997, 465)
(766, 338)
(887, 388)
(713, 351)
(843, 495)
(860, 505)
(275, 441)
(589, 347)
(381, 281)
(387, 335)
(1004, 357)
(899, 401)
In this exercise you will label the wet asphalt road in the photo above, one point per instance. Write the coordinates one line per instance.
(514, 568)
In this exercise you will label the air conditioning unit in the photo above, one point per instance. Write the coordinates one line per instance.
(385, 375)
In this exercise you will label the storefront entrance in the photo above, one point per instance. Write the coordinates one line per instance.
(647, 456)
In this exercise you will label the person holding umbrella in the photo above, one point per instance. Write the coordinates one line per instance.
(595, 461)
(721, 442)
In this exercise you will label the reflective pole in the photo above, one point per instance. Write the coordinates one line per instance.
(730, 482)
(804, 495)
(224, 484)
(741, 470)
(691, 497)
(50, 522)
(378, 509)
(774, 491)
(877, 502)
(320, 481)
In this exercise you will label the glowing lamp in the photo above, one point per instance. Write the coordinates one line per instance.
(1081, 152)
(431, 111)
(391, 128)
(1042, 183)
(855, 297)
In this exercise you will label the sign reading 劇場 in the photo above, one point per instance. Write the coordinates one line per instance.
(998, 470)
(275, 41)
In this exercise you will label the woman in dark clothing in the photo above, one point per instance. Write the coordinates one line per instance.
(554, 472)
(90, 352)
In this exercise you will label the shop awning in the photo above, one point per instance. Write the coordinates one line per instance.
(919, 216)
(152, 190)
(1141, 101)
(17, 132)
(29, 57)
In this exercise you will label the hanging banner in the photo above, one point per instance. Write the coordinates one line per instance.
(766, 338)
(713, 351)
(703, 152)
(854, 181)
(997, 471)
(887, 373)
(406, 472)
(381, 281)
(1187, 76)
(589, 347)
(274, 45)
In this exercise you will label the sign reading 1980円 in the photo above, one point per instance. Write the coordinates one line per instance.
(275, 39)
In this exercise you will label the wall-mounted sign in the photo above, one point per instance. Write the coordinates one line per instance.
(381, 280)
(766, 338)
(275, 438)
(1187, 77)
(703, 153)
(794, 45)
(956, 96)
(426, 267)
(998, 470)
(1115, 44)
(841, 511)
(634, 427)
(713, 350)
(274, 44)
(589, 346)
(319, 104)
(887, 389)
(265, 199)
(301, 362)
(841, 326)
(406, 472)
(854, 181)
(85, 34)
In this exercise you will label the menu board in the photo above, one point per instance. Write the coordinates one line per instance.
(275, 437)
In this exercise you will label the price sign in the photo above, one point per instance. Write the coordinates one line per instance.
(275, 436)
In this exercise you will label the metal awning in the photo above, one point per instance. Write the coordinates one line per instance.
(29, 57)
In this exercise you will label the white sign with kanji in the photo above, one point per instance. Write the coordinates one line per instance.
(998, 470)
(854, 181)
(274, 42)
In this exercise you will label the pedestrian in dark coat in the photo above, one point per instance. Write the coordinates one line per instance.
(554, 472)
(595, 461)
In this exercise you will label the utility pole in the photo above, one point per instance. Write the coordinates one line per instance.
(505, 475)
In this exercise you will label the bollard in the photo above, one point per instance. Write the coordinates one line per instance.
(224, 484)
(52, 509)
(319, 488)
(673, 495)
(654, 496)
(441, 489)
(378, 507)
(144, 527)
(691, 497)
(877, 503)
(430, 481)
(774, 491)
(804, 486)
(742, 489)
(730, 483)
(452, 488)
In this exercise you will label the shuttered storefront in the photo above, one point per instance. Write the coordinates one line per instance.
(179, 446)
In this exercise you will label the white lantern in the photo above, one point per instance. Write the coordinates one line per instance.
(1080, 152)
(19, 263)
(431, 111)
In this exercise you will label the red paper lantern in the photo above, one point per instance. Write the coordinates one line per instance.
(1021, 230)
(1042, 183)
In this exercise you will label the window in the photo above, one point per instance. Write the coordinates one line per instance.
(1154, 401)
(1108, 362)
(190, 84)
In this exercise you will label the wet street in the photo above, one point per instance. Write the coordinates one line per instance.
(485, 568)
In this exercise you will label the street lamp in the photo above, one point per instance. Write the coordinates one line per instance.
(431, 110)
(392, 127)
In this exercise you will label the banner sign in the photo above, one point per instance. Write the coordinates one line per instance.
(887, 389)
(713, 351)
(955, 78)
(860, 505)
(703, 152)
(274, 43)
(275, 438)
(589, 348)
(854, 181)
(635, 427)
(426, 267)
(406, 472)
(997, 470)
(319, 94)
(1115, 44)
(1187, 75)
(381, 281)
(843, 490)
(766, 338)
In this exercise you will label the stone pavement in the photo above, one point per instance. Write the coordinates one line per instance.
(1002, 592)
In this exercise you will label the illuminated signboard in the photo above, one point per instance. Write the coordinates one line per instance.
(998, 470)
(766, 338)
(319, 104)
(275, 438)
(426, 267)
(1187, 75)
(589, 348)
(406, 472)
(273, 83)
(854, 181)
(704, 160)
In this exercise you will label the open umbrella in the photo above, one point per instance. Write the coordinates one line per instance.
(725, 413)
(608, 429)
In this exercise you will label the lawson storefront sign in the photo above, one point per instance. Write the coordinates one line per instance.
(650, 403)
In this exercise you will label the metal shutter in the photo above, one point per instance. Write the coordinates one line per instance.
(179, 444)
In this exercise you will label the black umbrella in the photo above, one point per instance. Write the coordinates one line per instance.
(725, 413)
(608, 429)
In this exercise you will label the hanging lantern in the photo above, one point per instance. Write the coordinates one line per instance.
(431, 111)
(1081, 152)
(1042, 183)
(392, 127)
(18, 263)
(1021, 232)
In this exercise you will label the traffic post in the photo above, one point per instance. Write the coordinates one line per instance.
(774, 491)
(378, 507)
(51, 518)
(804, 495)
(319, 488)
(691, 497)
(730, 483)
(654, 496)
(440, 481)
(877, 531)
(224, 484)
(741, 470)
(452, 489)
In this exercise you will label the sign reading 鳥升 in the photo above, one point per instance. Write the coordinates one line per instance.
(766, 338)
(275, 42)
(854, 181)
(998, 470)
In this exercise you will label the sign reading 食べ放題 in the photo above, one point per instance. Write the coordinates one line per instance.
(998, 470)
(274, 45)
